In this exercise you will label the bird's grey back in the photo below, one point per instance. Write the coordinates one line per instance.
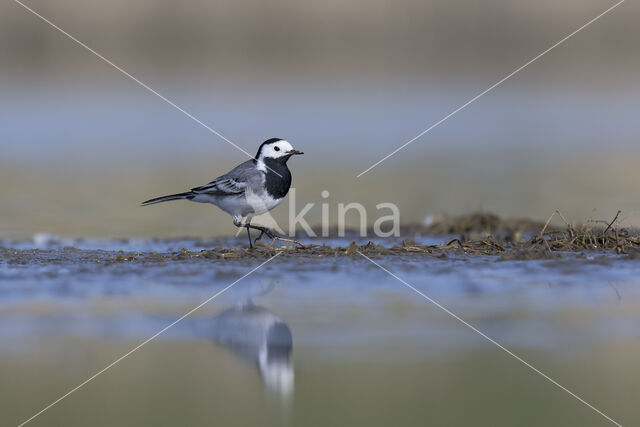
(236, 180)
(245, 172)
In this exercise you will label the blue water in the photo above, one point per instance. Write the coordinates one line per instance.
(284, 339)
(472, 285)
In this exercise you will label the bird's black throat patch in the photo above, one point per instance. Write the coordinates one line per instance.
(277, 186)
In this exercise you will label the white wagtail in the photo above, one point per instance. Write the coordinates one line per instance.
(260, 337)
(251, 188)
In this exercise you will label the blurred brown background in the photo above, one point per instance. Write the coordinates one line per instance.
(346, 82)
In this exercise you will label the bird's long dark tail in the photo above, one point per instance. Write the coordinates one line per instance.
(188, 195)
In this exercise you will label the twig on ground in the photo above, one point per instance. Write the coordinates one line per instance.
(612, 221)
(284, 239)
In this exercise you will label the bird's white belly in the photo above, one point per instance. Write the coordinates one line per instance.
(262, 203)
(241, 205)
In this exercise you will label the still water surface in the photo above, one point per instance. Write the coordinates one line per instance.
(320, 342)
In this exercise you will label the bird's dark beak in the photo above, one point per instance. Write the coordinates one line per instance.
(292, 152)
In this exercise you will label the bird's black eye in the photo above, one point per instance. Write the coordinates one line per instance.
(276, 148)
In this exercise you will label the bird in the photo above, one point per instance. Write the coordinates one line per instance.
(251, 188)
(258, 336)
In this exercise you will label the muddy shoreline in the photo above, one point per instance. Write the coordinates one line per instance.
(476, 234)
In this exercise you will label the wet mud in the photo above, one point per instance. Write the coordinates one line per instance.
(476, 234)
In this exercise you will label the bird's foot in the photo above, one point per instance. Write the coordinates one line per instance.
(264, 230)
(273, 236)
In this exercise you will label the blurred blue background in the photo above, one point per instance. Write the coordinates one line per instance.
(345, 82)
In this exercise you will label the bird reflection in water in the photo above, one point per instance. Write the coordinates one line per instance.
(260, 337)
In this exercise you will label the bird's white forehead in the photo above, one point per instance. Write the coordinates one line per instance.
(269, 150)
(284, 145)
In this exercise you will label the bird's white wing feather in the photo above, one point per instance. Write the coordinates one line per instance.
(219, 186)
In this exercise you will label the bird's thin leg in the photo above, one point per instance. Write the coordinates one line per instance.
(237, 221)
(270, 234)
(249, 235)
(260, 236)
(248, 225)
(263, 230)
